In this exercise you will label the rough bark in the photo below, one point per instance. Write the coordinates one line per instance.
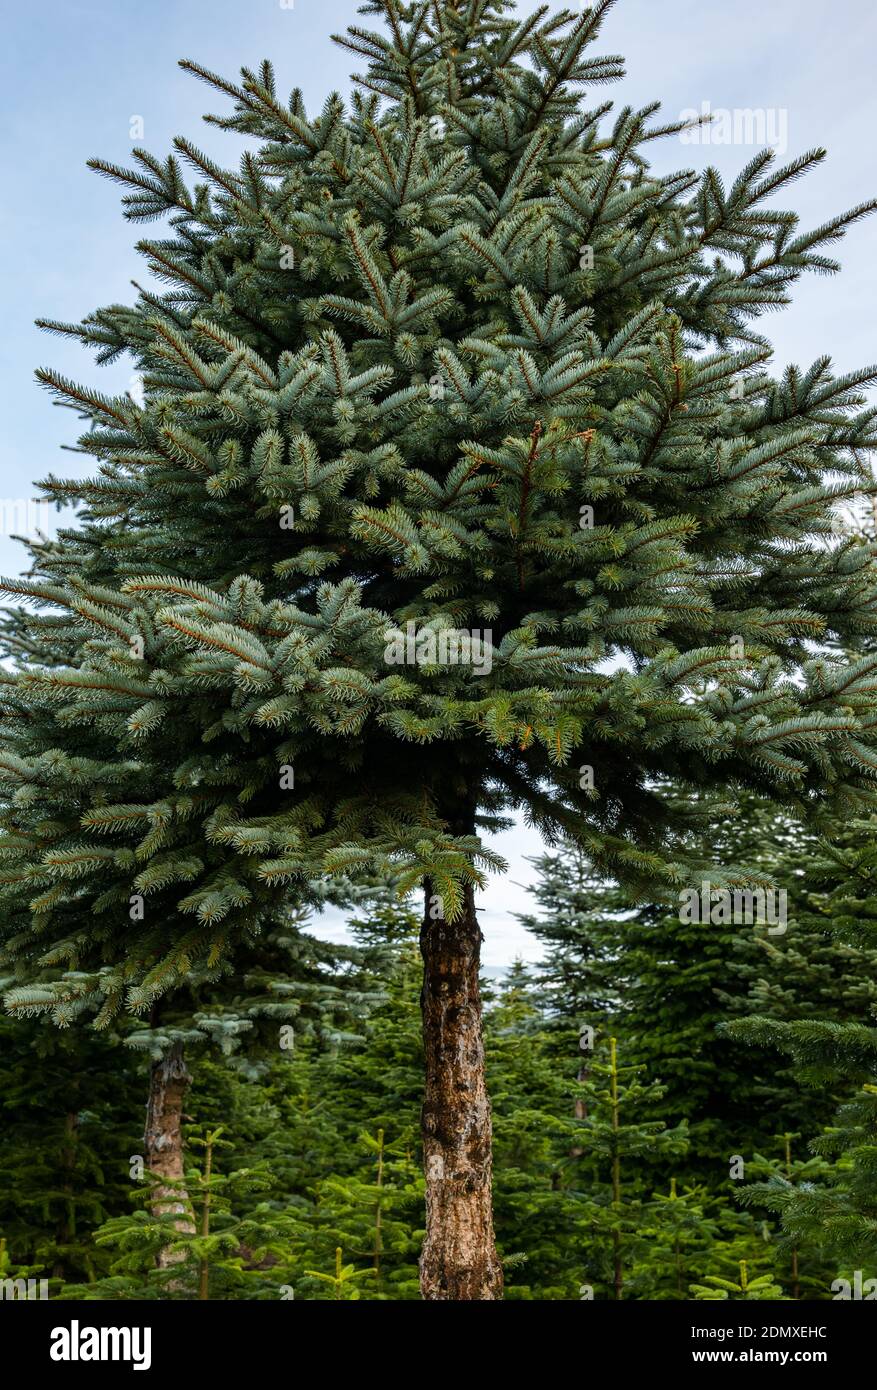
(163, 1140)
(459, 1259)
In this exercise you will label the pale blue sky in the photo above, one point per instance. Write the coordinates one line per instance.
(73, 75)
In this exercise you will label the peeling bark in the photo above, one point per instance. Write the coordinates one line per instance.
(459, 1259)
(163, 1141)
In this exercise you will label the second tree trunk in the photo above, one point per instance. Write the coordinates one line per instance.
(163, 1140)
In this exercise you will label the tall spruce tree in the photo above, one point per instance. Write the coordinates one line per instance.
(438, 415)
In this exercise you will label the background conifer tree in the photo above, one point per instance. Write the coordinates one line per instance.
(71, 1117)
(834, 1214)
(669, 986)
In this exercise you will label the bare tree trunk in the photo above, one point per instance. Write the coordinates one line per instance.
(163, 1140)
(459, 1259)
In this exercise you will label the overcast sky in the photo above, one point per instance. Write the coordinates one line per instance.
(75, 74)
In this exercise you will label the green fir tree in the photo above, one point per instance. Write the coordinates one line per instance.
(442, 502)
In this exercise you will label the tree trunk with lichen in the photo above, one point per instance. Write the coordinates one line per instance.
(163, 1140)
(459, 1259)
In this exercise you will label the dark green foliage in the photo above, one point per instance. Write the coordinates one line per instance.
(316, 1141)
(836, 1214)
(670, 985)
(461, 361)
(71, 1118)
